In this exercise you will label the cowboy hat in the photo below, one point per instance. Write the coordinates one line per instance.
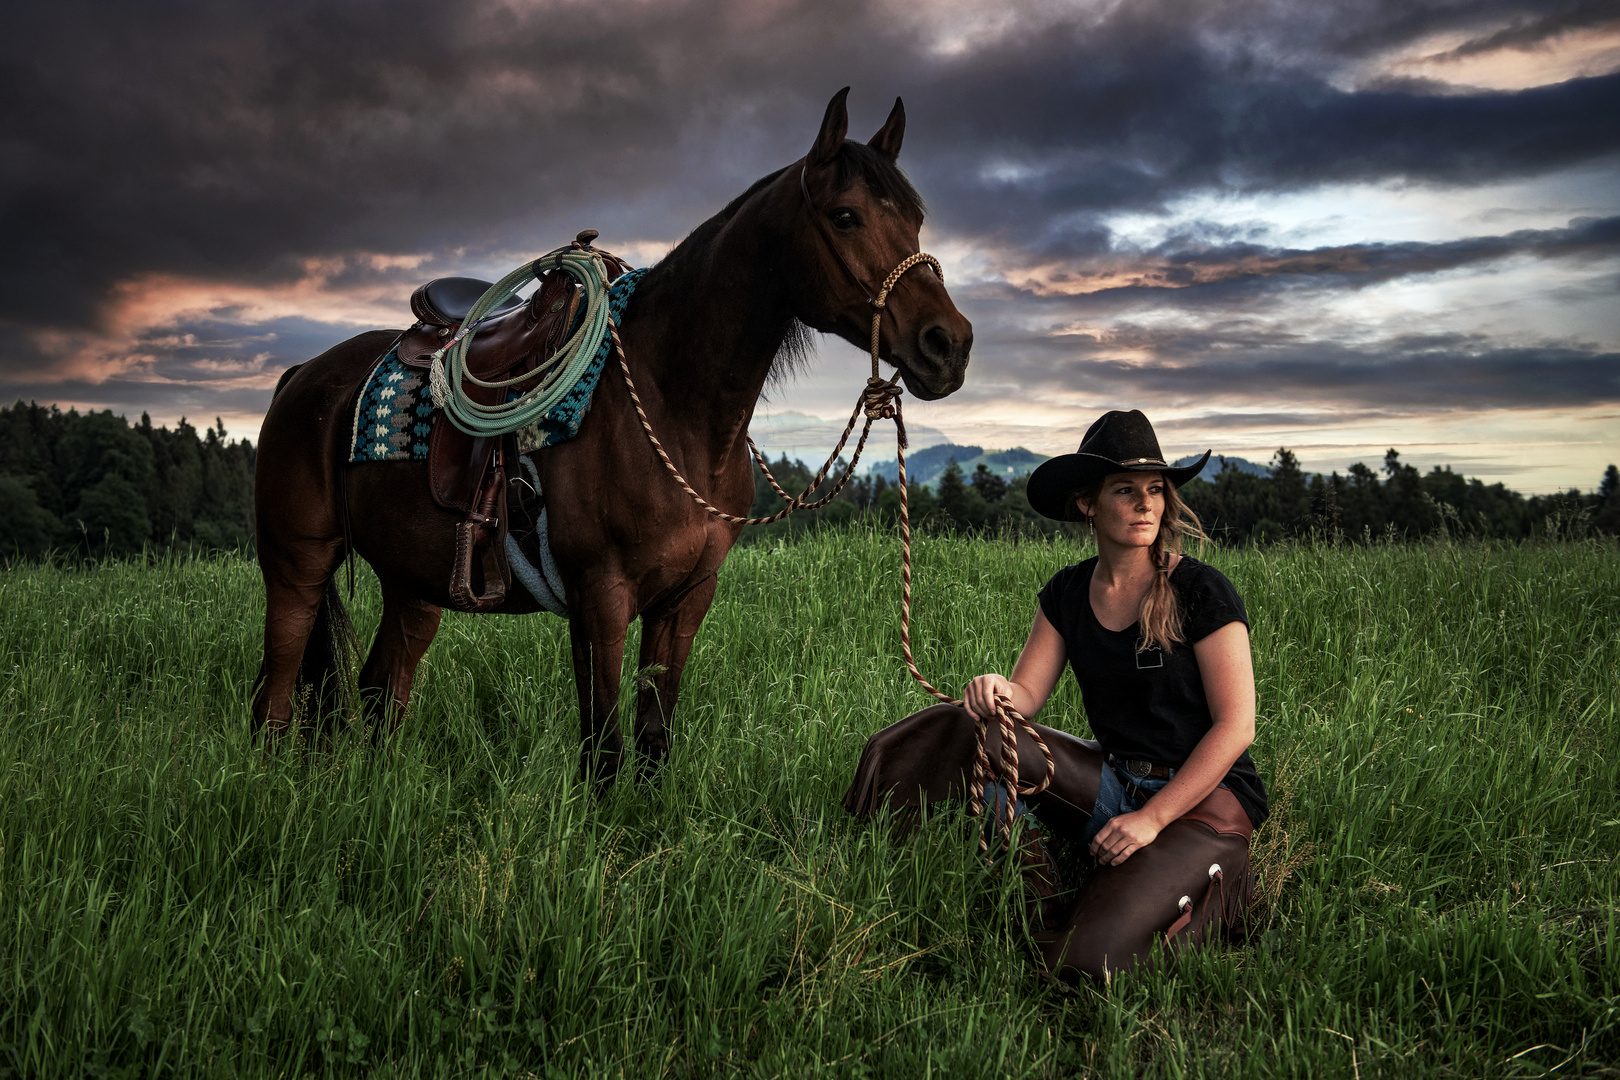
(1118, 442)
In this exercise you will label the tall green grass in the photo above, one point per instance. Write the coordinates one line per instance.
(1439, 731)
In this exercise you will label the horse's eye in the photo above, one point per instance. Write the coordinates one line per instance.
(844, 218)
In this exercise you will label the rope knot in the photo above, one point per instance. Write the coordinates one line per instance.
(879, 397)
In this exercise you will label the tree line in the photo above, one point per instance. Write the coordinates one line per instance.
(93, 484)
(1234, 505)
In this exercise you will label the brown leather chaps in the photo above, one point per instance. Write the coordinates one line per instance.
(1118, 913)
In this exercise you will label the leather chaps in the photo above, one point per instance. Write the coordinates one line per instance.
(1164, 895)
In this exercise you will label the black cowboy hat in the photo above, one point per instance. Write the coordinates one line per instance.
(1118, 442)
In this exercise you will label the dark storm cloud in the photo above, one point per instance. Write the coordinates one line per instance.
(1190, 271)
(1262, 136)
(237, 140)
(1449, 371)
(1532, 29)
(209, 138)
(233, 139)
(198, 369)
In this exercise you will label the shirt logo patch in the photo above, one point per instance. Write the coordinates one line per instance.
(1149, 658)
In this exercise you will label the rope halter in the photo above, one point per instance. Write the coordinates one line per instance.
(880, 304)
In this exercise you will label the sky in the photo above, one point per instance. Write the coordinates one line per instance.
(1333, 226)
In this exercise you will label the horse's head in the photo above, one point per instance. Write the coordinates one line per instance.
(863, 219)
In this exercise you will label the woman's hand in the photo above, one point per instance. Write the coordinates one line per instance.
(979, 696)
(1039, 666)
(1124, 836)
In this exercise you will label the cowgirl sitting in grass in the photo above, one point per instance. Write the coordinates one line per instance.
(1166, 799)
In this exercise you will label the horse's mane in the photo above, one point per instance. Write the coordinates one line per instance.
(856, 162)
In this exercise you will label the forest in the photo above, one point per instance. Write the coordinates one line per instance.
(93, 484)
(1235, 506)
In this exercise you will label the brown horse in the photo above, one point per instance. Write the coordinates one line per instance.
(701, 335)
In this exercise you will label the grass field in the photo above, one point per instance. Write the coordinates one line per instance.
(1439, 729)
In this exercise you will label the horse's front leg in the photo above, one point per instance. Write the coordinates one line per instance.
(666, 641)
(596, 629)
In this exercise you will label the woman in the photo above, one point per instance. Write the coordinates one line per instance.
(1168, 797)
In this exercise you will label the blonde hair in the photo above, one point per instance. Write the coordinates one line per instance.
(1160, 613)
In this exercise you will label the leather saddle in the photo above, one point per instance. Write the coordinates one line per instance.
(522, 337)
(468, 473)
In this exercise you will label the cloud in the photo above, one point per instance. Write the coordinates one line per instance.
(1203, 260)
(1506, 51)
(237, 140)
(195, 194)
(1402, 375)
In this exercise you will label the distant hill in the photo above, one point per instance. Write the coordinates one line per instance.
(1215, 461)
(925, 466)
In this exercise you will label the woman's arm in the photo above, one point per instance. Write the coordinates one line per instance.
(1227, 671)
(1037, 672)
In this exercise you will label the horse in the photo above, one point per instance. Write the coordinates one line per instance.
(803, 247)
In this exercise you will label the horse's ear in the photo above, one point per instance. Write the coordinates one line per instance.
(887, 139)
(834, 126)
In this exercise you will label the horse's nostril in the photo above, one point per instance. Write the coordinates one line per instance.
(937, 343)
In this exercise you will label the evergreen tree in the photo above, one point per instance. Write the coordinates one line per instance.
(991, 488)
(1410, 510)
(26, 528)
(1325, 516)
(1361, 503)
(111, 517)
(1293, 501)
(1606, 515)
(952, 495)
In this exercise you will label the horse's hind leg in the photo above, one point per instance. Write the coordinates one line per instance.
(408, 626)
(294, 585)
(666, 642)
(596, 633)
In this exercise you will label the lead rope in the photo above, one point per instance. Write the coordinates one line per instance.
(1008, 719)
(881, 400)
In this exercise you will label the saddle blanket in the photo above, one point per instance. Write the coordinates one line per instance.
(393, 414)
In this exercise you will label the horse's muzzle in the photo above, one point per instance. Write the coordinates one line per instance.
(941, 359)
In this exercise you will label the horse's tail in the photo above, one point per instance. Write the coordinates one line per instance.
(330, 655)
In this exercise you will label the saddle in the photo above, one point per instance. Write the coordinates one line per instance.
(468, 473)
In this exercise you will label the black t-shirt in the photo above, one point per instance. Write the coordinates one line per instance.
(1150, 705)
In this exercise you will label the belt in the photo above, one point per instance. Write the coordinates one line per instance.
(1142, 769)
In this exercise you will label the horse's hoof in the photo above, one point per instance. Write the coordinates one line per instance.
(650, 762)
(599, 768)
(271, 733)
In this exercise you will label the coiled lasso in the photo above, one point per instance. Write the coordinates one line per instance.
(553, 379)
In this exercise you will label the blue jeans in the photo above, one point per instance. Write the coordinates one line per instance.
(995, 803)
(1113, 800)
